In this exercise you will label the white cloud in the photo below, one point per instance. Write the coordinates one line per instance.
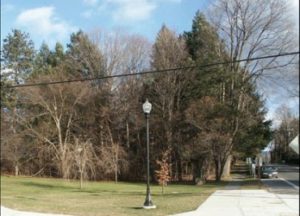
(90, 2)
(128, 10)
(44, 23)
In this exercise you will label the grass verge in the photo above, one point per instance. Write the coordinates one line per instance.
(252, 183)
(99, 198)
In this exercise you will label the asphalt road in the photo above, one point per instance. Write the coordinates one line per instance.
(287, 182)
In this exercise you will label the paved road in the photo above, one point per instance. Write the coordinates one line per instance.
(289, 173)
(287, 183)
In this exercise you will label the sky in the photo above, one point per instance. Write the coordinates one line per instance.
(54, 20)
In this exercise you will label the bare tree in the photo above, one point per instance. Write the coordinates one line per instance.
(113, 158)
(52, 114)
(251, 29)
(123, 53)
(84, 158)
(120, 122)
(286, 130)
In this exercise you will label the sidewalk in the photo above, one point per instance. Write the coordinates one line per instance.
(235, 202)
(10, 212)
(246, 203)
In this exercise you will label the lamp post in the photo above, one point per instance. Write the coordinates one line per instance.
(148, 202)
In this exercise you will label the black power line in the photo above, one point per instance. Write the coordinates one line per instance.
(153, 71)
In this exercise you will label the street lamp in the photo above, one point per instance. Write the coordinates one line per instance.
(148, 202)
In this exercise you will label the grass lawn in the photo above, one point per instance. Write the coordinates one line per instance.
(99, 198)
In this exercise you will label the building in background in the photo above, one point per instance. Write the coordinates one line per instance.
(266, 152)
(294, 144)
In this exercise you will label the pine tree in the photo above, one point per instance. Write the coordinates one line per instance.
(59, 54)
(18, 54)
(84, 58)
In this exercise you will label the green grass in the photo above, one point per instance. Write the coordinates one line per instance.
(99, 198)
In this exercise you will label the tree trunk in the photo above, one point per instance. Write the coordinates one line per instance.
(218, 169)
(176, 170)
(127, 134)
(116, 165)
(116, 175)
(196, 170)
(227, 167)
(16, 170)
(81, 179)
(179, 168)
(64, 169)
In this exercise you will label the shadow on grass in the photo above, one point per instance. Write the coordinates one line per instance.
(46, 186)
(26, 197)
(105, 192)
(136, 208)
(191, 183)
(211, 183)
(126, 194)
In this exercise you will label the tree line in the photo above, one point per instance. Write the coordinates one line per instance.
(96, 130)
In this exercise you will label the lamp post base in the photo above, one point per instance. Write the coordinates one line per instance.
(148, 204)
(149, 207)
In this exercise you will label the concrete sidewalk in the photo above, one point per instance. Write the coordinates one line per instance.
(10, 212)
(247, 203)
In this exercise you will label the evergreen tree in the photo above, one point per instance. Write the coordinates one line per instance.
(205, 47)
(84, 58)
(42, 61)
(202, 41)
(59, 54)
(18, 53)
(255, 132)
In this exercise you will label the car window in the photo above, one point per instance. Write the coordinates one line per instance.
(269, 169)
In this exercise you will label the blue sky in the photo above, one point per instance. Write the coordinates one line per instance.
(55, 20)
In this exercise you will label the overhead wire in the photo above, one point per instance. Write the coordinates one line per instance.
(152, 71)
